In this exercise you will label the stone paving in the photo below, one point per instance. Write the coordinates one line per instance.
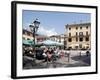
(75, 60)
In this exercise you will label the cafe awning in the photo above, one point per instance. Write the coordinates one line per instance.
(30, 43)
(26, 42)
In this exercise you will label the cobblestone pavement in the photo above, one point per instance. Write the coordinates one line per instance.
(75, 60)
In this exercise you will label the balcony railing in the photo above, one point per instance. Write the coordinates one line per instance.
(79, 35)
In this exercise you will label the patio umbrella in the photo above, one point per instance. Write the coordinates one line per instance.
(32, 43)
(51, 43)
(28, 42)
(59, 44)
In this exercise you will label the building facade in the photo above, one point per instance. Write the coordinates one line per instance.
(57, 38)
(78, 36)
(27, 35)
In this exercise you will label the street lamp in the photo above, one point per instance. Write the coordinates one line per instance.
(34, 27)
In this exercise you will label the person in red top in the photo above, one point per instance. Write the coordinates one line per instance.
(49, 54)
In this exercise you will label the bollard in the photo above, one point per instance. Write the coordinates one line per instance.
(80, 54)
(68, 57)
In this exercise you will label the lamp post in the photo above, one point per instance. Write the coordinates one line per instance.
(34, 27)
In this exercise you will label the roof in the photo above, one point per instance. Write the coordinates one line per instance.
(78, 25)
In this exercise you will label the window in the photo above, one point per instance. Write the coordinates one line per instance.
(80, 27)
(86, 32)
(23, 38)
(60, 40)
(69, 34)
(31, 34)
(76, 47)
(65, 43)
(76, 34)
(81, 39)
(86, 27)
(76, 28)
(81, 33)
(28, 33)
(80, 45)
(69, 28)
(70, 39)
(87, 39)
(23, 31)
(76, 39)
(28, 39)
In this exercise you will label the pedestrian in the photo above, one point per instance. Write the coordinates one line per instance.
(49, 54)
(87, 52)
(45, 55)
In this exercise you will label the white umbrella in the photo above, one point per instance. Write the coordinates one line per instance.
(59, 44)
(51, 43)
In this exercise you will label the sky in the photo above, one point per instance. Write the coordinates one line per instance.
(53, 23)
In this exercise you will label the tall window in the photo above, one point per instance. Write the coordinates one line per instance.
(81, 39)
(80, 45)
(86, 32)
(69, 28)
(87, 39)
(69, 34)
(80, 27)
(76, 39)
(70, 39)
(76, 28)
(80, 33)
(76, 34)
(23, 31)
(28, 33)
(59, 39)
(86, 27)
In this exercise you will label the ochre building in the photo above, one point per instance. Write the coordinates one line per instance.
(78, 36)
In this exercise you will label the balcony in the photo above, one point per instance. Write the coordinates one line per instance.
(79, 35)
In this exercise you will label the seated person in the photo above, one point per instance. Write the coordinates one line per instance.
(39, 55)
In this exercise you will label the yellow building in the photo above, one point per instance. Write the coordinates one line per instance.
(78, 36)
